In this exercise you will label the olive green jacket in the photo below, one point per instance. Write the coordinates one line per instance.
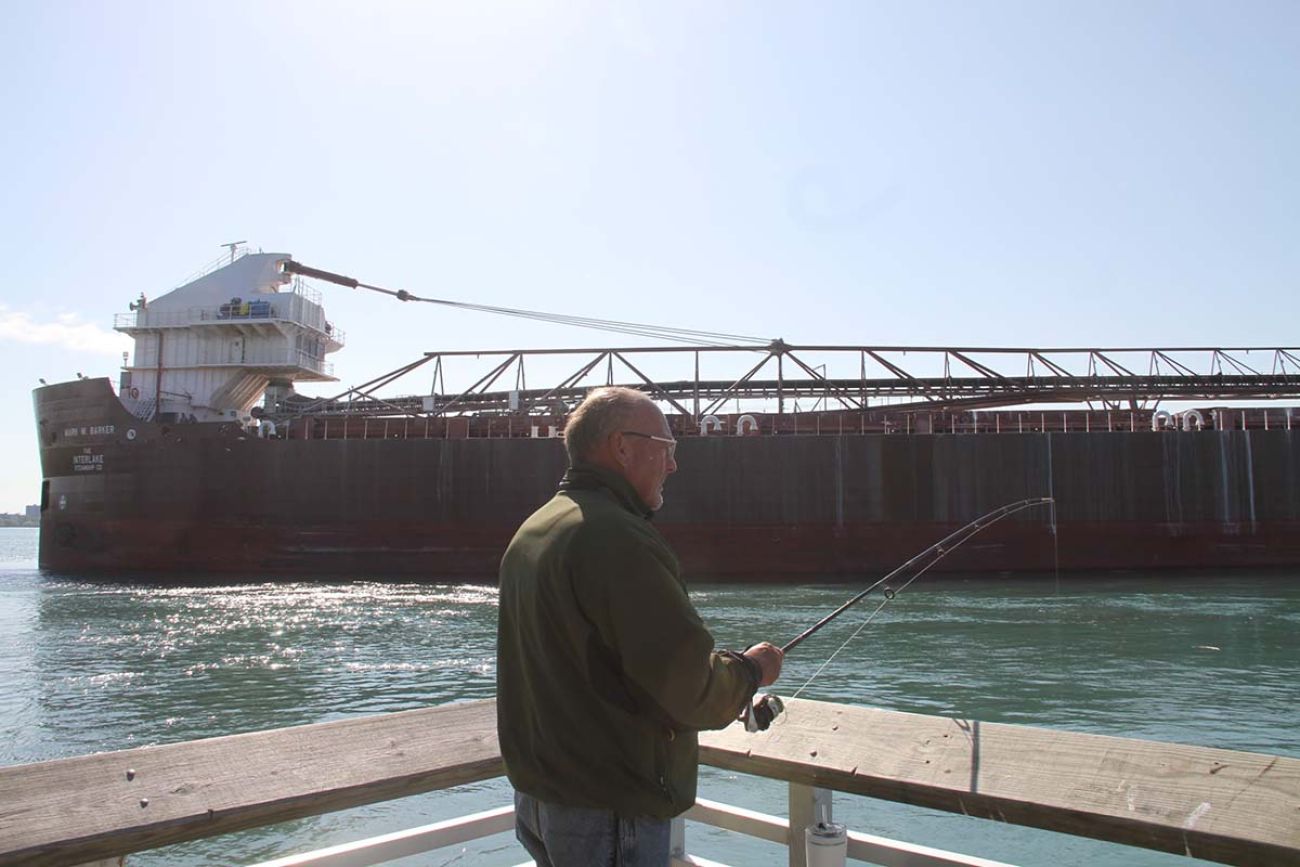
(604, 670)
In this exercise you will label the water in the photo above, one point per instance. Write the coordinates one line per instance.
(88, 666)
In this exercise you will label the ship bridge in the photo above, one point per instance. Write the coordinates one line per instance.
(211, 348)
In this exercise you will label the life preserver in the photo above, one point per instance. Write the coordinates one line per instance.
(135, 393)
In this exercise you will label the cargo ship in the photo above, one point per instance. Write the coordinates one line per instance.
(202, 458)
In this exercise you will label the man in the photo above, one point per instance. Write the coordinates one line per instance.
(604, 670)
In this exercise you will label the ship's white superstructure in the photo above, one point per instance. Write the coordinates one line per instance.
(209, 349)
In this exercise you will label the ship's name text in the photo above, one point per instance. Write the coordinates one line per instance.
(94, 430)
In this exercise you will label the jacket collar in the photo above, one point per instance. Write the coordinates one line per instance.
(589, 477)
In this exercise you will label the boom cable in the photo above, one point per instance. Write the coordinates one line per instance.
(663, 332)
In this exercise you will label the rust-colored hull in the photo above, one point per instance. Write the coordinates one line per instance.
(708, 551)
(128, 497)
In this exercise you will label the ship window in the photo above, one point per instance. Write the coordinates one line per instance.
(45, 495)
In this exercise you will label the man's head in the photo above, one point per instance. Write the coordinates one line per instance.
(622, 430)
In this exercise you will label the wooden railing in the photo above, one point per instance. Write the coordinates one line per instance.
(1233, 807)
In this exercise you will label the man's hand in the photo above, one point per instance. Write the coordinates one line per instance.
(769, 658)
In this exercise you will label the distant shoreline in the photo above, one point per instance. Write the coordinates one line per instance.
(18, 521)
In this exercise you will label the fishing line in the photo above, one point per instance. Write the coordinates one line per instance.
(767, 707)
(870, 617)
(1056, 548)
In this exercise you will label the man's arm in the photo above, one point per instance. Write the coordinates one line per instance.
(644, 615)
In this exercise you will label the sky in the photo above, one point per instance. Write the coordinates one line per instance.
(865, 173)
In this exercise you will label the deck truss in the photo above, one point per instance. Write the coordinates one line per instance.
(782, 378)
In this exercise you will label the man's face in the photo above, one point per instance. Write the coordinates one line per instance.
(647, 462)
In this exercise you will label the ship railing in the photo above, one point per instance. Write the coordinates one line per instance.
(277, 309)
(405, 418)
(143, 408)
(222, 356)
(312, 362)
(220, 262)
(306, 290)
(1103, 421)
(305, 308)
(998, 421)
(1221, 805)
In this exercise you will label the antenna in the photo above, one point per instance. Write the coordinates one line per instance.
(232, 245)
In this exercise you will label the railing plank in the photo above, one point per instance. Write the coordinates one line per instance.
(400, 844)
(885, 852)
(75, 810)
(695, 861)
(862, 847)
(1214, 804)
(740, 820)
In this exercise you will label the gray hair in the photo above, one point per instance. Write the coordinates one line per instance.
(603, 411)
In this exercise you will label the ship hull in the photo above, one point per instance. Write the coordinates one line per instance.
(123, 496)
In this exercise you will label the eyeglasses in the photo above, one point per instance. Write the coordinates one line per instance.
(670, 443)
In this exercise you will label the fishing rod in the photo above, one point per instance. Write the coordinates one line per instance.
(768, 707)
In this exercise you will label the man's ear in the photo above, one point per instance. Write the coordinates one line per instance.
(617, 448)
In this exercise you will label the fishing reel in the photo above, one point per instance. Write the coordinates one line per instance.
(759, 716)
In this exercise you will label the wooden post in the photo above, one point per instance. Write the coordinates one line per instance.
(808, 806)
(677, 835)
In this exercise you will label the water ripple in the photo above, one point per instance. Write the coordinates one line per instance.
(92, 665)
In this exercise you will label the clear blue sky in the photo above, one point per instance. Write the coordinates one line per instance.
(1029, 173)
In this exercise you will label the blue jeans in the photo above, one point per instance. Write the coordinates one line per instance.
(559, 836)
